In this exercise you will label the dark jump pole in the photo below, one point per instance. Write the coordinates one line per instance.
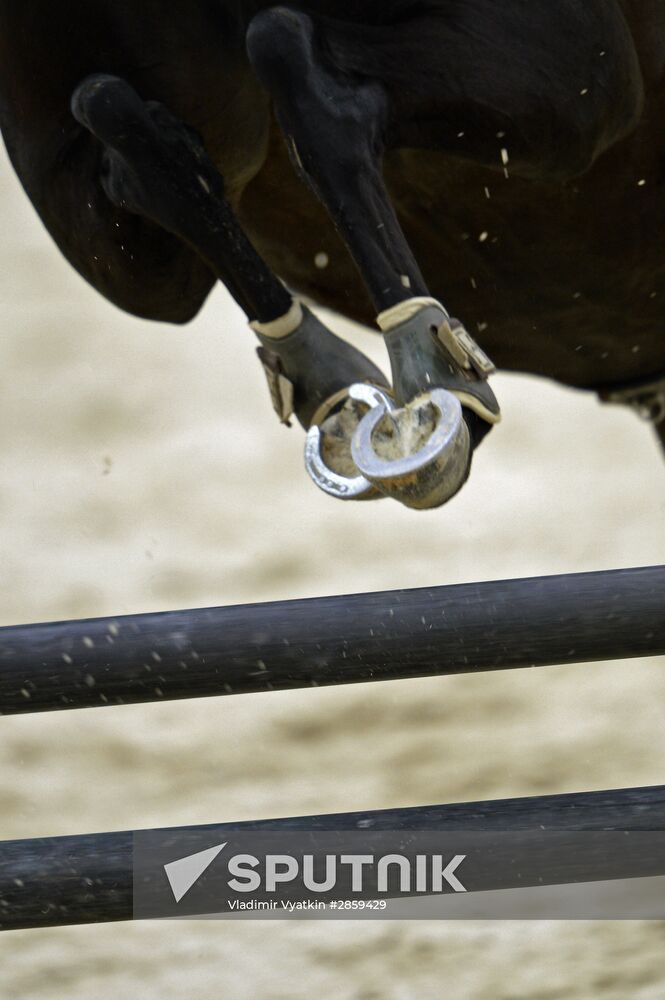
(333, 640)
(540, 841)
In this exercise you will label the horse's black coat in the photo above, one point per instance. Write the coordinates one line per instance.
(521, 140)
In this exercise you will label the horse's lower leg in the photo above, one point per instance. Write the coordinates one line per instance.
(155, 166)
(335, 126)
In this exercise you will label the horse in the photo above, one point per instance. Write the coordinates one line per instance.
(377, 158)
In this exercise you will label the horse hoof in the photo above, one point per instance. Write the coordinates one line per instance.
(419, 454)
(328, 458)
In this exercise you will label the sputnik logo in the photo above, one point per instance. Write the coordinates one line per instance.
(183, 873)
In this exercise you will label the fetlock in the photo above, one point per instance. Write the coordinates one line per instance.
(430, 350)
(309, 369)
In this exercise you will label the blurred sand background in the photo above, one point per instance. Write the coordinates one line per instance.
(141, 468)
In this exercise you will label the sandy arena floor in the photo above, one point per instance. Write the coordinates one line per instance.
(141, 468)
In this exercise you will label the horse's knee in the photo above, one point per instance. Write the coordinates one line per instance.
(550, 87)
(339, 119)
(176, 297)
(564, 120)
(575, 91)
(260, 39)
(136, 265)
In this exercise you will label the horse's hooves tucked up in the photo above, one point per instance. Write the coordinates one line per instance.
(328, 458)
(419, 454)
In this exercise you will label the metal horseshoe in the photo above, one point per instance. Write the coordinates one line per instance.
(331, 482)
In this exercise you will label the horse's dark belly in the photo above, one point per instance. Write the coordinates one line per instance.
(565, 280)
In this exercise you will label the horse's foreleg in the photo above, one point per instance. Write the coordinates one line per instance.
(156, 167)
(336, 125)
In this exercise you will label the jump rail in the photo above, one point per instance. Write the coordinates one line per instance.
(333, 640)
(89, 879)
